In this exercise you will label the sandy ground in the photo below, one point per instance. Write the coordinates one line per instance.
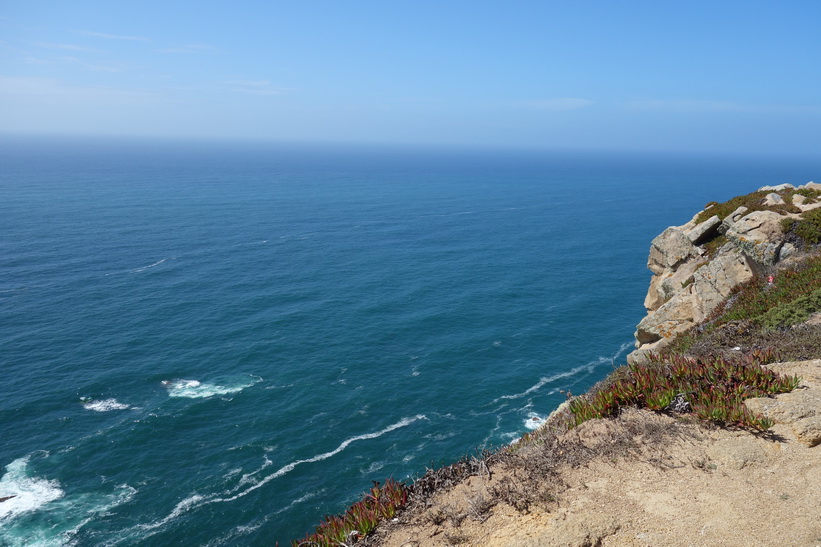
(679, 483)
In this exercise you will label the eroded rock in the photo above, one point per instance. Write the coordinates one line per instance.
(759, 235)
(714, 282)
(704, 231)
(670, 249)
(776, 188)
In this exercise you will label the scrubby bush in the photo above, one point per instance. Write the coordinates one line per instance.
(753, 202)
(713, 388)
(361, 518)
(752, 300)
(791, 313)
(808, 227)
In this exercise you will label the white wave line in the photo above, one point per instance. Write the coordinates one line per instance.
(572, 372)
(13, 290)
(185, 505)
(138, 270)
(297, 501)
(290, 467)
(195, 501)
(544, 381)
(624, 347)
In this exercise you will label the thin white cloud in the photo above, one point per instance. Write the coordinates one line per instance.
(188, 48)
(256, 87)
(557, 104)
(113, 36)
(90, 66)
(56, 90)
(690, 106)
(684, 105)
(69, 47)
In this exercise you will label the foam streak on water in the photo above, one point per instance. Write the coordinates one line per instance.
(195, 501)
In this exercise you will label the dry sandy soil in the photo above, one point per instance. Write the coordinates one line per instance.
(643, 479)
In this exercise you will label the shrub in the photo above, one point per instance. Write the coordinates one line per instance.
(752, 300)
(753, 202)
(360, 519)
(713, 387)
(791, 313)
(808, 227)
(809, 193)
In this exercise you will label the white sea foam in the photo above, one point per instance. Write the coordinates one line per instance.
(291, 466)
(191, 502)
(588, 368)
(196, 500)
(194, 389)
(20, 522)
(543, 382)
(534, 421)
(143, 268)
(26, 493)
(372, 468)
(104, 405)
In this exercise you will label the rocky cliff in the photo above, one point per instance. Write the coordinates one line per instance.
(697, 265)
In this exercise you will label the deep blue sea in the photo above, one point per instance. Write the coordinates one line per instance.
(219, 344)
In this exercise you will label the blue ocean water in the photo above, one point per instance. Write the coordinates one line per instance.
(218, 344)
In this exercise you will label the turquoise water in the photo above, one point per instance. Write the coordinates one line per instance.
(210, 344)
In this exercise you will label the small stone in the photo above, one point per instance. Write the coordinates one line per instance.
(777, 188)
(808, 430)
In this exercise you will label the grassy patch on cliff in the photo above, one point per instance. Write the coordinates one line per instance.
(759, 314)
(807, 228)
(713, 388)
(754, 299)
(753, 202)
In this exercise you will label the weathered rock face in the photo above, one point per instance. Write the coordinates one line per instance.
(757, 234)
(687, 284)
(670, 249)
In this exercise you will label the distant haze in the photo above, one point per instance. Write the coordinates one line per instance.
(738, 77)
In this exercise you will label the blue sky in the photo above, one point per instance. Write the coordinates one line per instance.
(718, 76)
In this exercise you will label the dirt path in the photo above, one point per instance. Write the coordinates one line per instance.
(649, 480)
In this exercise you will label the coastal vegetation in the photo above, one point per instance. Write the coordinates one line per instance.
(712, 388)
(361, 518)
(704, 375)
(759, 313)
(807, 228)
(754, 201)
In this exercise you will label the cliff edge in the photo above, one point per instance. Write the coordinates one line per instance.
(696, 266)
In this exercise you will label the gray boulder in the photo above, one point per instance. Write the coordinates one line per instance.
(704, 231)
(777, 188)
(670, 249)
(758, 234)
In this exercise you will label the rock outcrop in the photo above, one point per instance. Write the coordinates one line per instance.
(689, 280)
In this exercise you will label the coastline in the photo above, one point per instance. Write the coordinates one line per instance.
(612, 466)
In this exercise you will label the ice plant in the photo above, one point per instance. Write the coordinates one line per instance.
(360, 519)
(714, 388)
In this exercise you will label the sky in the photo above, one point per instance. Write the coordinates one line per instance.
(716, 76)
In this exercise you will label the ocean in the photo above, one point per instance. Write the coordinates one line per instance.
(220, 343)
